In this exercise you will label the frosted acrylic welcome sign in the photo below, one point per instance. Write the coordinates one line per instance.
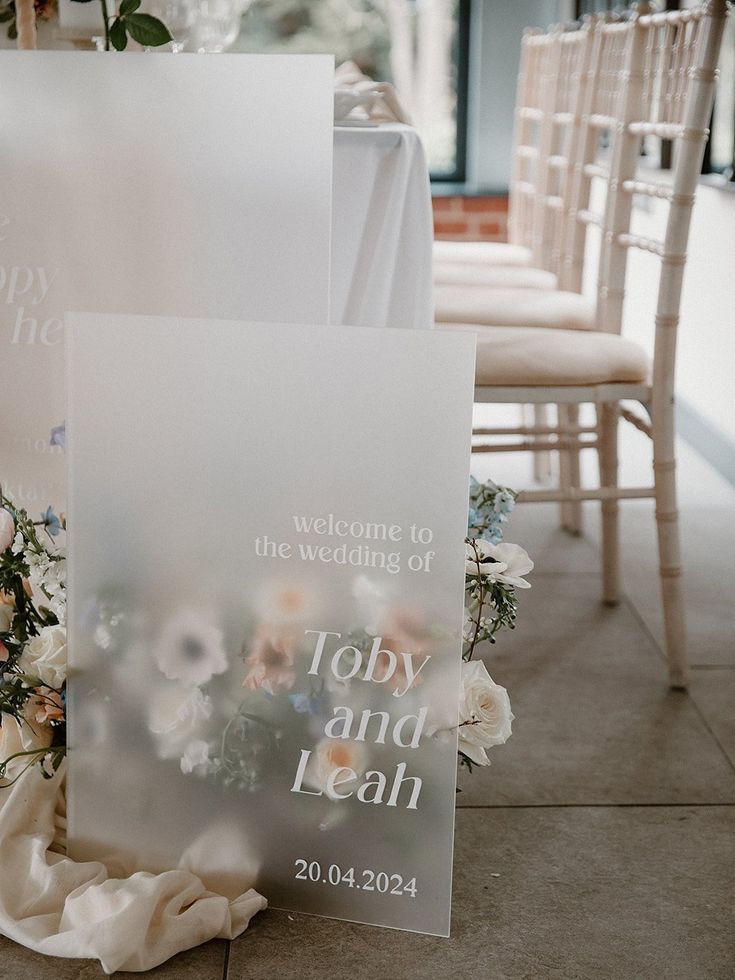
(146, 184)
(267, 531)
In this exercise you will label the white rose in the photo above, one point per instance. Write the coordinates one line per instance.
(484, 713)
(16, 737)
(45, 656)
(7, 529)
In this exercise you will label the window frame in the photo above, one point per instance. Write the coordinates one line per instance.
(583, 7)
(458, 174)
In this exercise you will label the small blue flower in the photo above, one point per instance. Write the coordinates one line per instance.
(51, 522)
(305, 704)
(504, 502)
(58, 435)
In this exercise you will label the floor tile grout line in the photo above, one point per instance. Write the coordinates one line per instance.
(644, 626)
(584, 806)
(705, 722)
(226, 963)
(558, 575)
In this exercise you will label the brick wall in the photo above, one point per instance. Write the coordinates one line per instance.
(471, 219)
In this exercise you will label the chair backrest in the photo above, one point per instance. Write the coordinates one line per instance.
(535, 77)
(599, 121)
(557, 93)
(666, 92)
(564, 101)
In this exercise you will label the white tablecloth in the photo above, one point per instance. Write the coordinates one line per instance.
(381, 229)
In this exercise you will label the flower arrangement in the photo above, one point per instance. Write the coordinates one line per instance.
(494, 570)
(190, 660)
(32, 642)
(21, 17)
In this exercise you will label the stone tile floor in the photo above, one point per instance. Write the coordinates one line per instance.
(601, 842)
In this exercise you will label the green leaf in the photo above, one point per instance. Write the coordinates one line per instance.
(82, 1)
(13, 31)
(147, 30)
(128, 7)
(118, 37)
(6, 14)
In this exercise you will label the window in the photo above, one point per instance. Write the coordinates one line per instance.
(719, 156)
(421, 46)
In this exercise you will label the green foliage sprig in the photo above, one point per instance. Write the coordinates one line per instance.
(490, 606)
(129, 22)
(143, 28)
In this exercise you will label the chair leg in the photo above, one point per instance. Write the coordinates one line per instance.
(669, 551)
(541, 461)
(607, 426)
(575, 477)
(569, 472)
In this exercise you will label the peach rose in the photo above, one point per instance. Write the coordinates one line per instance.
(331, 754)
(271, 662)
(402, 632)
(18, 737)
(46, 706)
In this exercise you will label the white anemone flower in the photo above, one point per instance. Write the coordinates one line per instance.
(479, 560)
(517, 564)
(190, 650)
(504, 562)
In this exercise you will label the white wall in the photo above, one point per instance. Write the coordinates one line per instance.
(706, 339)
(705, 382)
(497, 27)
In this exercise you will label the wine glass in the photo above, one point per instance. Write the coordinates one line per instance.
(179, 16)
(216, 25)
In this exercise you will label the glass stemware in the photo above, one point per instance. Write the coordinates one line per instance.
(216, 25)
(179, 16)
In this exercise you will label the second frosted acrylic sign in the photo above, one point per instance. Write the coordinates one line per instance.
(266, 582)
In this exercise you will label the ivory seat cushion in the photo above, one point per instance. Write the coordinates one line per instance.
(530, 357)
(482, 253)
(503, 276)
(513, 307)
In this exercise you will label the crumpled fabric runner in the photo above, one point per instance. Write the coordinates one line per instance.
(56, 906)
